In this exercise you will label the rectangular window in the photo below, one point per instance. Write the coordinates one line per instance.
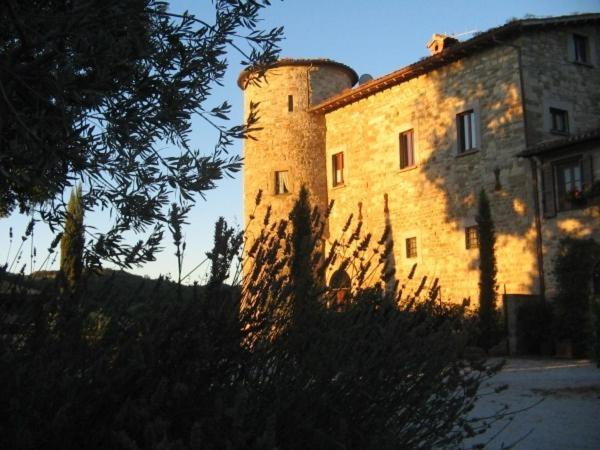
(471, 237)
(290, 103)
(411, 247)
(337, 164)
(467, 136)
(282, 183)
(407, 149)
(569, 185)
(559, 121)
(581, 49)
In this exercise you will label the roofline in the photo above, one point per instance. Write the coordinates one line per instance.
(242, 81)
(452, 54)
(562, 143)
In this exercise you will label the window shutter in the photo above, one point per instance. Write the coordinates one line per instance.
(588, 172)
(548, 186)
(571, 48)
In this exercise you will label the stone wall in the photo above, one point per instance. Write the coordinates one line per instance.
(553, 79)
(579, 223)
(292, 141)
(436, 199)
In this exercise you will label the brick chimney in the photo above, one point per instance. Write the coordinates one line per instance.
(440, 42)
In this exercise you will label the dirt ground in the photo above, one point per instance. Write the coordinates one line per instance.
(558, 400)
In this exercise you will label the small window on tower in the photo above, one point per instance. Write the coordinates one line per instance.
(337, 164)
(290, 103)
(411, 247)
(407, 149)
(282, 183)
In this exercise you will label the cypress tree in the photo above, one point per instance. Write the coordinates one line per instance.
(488, 321)
(72, 241)
(302, 276)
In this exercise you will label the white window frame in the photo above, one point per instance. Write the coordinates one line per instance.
(475, 134)
(335, 181)
(591, 49)
(403, 132)
(282, 182)
(548, 105)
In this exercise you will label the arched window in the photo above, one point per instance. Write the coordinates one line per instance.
(340, 285)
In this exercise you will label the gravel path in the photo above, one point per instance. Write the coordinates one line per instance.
(563, 397)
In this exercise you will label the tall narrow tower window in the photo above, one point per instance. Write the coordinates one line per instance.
(407, 150)
(467, 138)
(282, 182)
(290, 103)
(337, 164)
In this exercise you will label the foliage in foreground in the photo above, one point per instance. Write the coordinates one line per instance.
(277, 364)
(573, 268)
(73, 241)
(103, 92)
(489, 325)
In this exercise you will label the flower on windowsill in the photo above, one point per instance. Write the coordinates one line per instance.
(577, 197)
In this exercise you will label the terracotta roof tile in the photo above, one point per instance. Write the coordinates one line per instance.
(453, 53)
(561, 143)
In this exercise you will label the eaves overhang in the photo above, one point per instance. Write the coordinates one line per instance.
(492, 37)
(562, 144)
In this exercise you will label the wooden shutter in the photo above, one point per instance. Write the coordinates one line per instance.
(337, 162)
(548, 198)
(588, 172)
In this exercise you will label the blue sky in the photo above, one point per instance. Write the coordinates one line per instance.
(374, 37)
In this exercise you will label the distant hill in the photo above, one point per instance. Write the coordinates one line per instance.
(117, 283)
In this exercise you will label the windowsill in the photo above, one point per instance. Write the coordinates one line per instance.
(338, 186)
(559, 133)
(468, 152)
(583, 64)
(408, 168)
(577, 207)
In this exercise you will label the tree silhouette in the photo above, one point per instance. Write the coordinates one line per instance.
(102, 91)
(73, 241)
(488, 315)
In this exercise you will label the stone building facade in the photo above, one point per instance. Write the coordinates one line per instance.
(514, 111)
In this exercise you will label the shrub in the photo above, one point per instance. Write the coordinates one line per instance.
(489, 318)
(73, 241)
(382, 370)
(573, 268)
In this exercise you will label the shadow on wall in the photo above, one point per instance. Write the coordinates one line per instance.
(458, 167)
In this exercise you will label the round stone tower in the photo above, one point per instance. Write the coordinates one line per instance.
(289, 149)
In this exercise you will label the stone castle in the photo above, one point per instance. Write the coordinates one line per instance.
(514, 111)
